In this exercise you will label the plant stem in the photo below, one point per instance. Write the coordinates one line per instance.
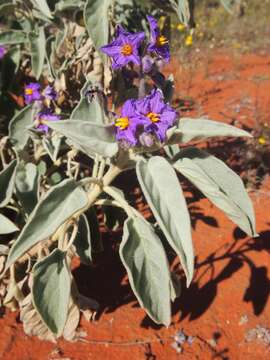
(93, 194)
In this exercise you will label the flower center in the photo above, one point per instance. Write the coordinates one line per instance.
(162, 40)
(153, 117)
(28, 91)
(126, 50)
(122, 123)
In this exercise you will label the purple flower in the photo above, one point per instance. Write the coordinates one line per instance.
(42, 117)
(159, 44)
(32, 93)
(50, 93)
(144, 121)
(158, 115)
(125, 48)
(2, 52)
(129, 124)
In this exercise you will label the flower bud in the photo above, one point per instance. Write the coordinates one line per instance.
(147, 64)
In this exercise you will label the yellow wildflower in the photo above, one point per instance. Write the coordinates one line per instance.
(181, 27)
(189, 40)
(161, 22)
(262, 140)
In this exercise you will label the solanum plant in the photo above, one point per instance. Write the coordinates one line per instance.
(58, 222)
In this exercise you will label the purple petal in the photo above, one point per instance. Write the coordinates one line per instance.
(111, 50)
(154, 29)
(134, 59)
(128, 108)
(136, 38)
(168, 115)
(156, 101)
(128, 135)
(43, 127)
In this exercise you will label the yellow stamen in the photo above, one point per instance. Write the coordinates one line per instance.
(122, 123)
(262, 140)
(181, 27)
(153, 117)
(162, 40)
(126, 50)
(28, 91)
(189, 40)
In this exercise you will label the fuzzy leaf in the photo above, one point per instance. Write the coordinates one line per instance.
(6, 226)
(220, 184)
(144, 258)
(88, 137)
(87, 110)
(82, 242)
(171, 150)
(7, 181)
(27, 183)
(96, 18)
(201, 129)
(18, 132)
(43, 7)
(38, 51)
(13, 37)
(7, 9)
(52, 145)
(63, 5)
(165, 197)
(181, 8)
(51, 290)
(58, 205)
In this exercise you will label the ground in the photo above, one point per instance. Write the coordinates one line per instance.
(226, 310)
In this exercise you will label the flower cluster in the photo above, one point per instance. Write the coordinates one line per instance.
(43, 99)
(145, 121)
(125, 48)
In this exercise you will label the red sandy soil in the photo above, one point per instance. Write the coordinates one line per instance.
(227, 306)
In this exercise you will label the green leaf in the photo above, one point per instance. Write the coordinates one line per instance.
(63, 5)
(27, 185)
(220, 184)
(58, 205)
(144, 258)
(92, 111)
(18, 127)
(13, 37)
(181, 8)
(52, 145)
(7, 9)
(38, 51)
(7, 181)
(88, 137)
(43, 7)
(6, 226)
(51, 290)
(165, 197)
(88, 238)
(96, 18)
(171, 150)
(201, 129)
(82, 241)
(15, 56)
